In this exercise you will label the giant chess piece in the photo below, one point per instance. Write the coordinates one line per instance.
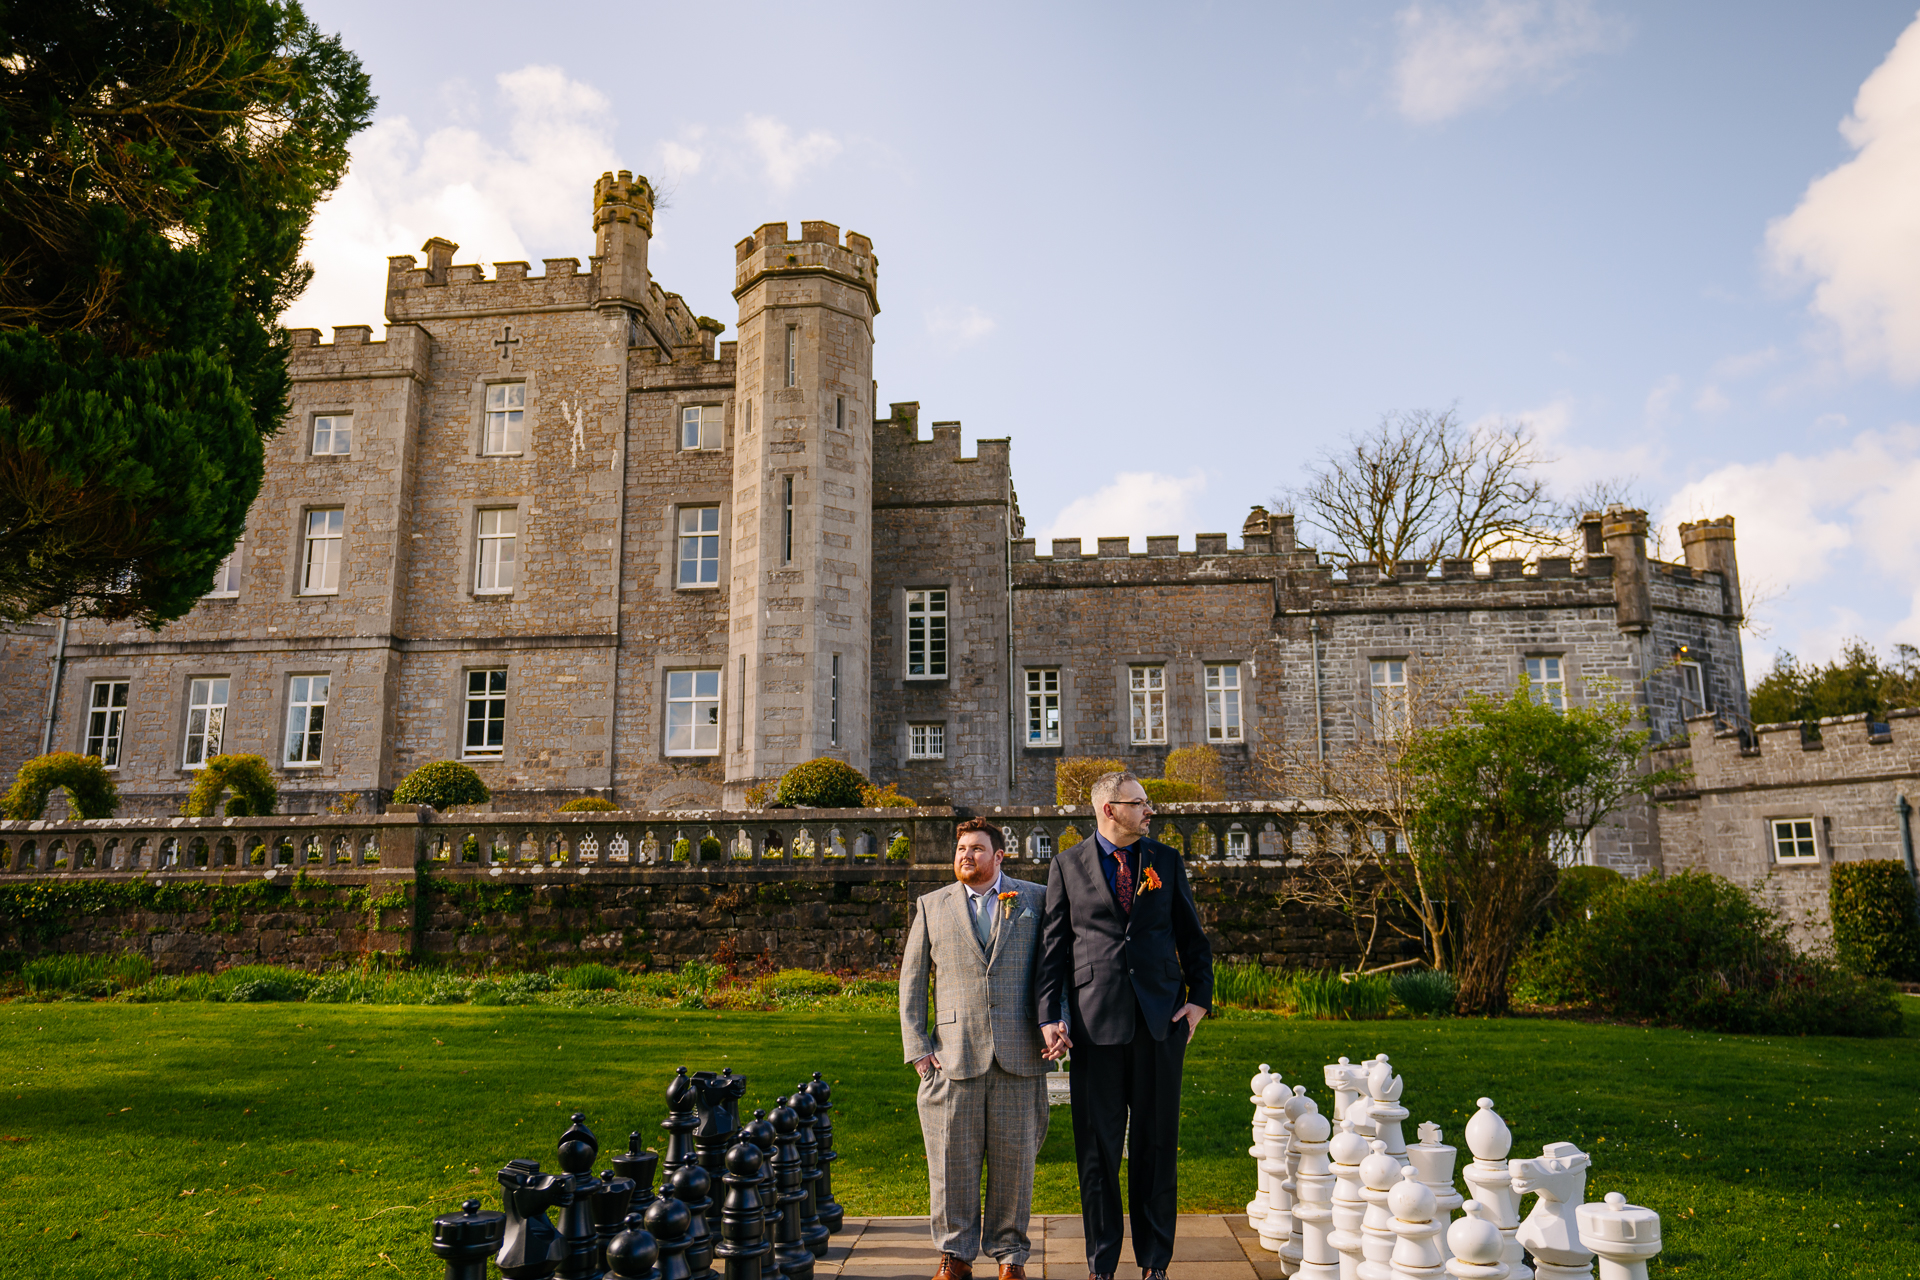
(578, 1147)
(683, 1117)
(632, 1251)
(1346, 1151)
(1433, 1159)
(1313, 1198)
(669, 1222)
(612, 1205)
(760, 1133)
(832, 1213)
(1416, 1252)
(1298, 1106)
(690, 1186)
(530, 1248)
(1276, 1224)
(1346, 1081)
(813, 1232)
(741, 1249)
(1489, 1139)
(1385, 1111)
(1476, 1244)
(1379, 1175)
(465, 1240)
(1558, 1176)
(790, 1252)
(1257, 1207)
(1624, 1235)
(716, 1131)
(638, 1165)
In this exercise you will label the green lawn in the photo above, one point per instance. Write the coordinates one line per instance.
(297, 1140)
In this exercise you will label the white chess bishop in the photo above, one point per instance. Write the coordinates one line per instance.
(1558, 1177)
(1257, 1207)
(1489, 1139)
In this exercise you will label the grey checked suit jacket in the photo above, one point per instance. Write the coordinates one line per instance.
(983, 997)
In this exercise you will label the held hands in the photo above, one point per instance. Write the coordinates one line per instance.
(1057, 1041)
(1192, 1013)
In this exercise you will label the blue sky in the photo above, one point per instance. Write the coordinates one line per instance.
(1176, 251)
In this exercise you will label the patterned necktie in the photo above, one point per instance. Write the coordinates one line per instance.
(1123, 881)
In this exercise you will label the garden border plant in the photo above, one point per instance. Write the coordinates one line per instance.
(255, 795)
(89, 787)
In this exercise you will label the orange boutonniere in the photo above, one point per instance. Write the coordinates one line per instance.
(1150, 880)
(1008, 901)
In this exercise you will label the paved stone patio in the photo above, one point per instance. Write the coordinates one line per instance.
(1207, 1246)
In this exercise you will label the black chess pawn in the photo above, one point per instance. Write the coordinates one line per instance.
(467, 1239)
(578, 1147)
(683, 1117)
(832, 1213)
(790, 1252)
(742, 1250)
(612, 1203)
(640, 1166)
(813, 1232)
(669, 1222)
(690, 1186)
(760, 1134)
(632, 1251)
(530, 1248)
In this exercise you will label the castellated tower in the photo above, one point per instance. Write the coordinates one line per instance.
(622, 227)
(802, 559)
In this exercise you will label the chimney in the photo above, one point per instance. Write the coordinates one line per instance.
(439, 257)
(1623, 532)
(1709, 546)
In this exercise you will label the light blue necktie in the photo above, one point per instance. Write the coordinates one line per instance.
(983, 921)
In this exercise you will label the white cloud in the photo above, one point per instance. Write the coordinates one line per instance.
(784, 157)
(1135, 503)
(1853, 231)
(1453, 59)
(959, 327)
(1712, 400)
(678, 161)
(499, 203)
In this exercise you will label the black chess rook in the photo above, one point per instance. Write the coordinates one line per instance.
(465, 1240)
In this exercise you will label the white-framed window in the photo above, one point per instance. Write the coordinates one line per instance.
(496, 550)
(1043, 706)
(206, 720)
(506, 423)
(693, 713)
(1238, 843)
(1147, 703)
(332, 434)
(1389, 680)
(1548, 676)
(306, 718)
(326, 534)
(1569, 852)
(1794, 840)
(926, 741)
(793, 355)
(486, 736)
(833, 703)
(700, 426)
(106, 718)
(1693, 689)
(927, 634)
(699, 547)
(226, 579)
(1040, 845)
(1223, 702)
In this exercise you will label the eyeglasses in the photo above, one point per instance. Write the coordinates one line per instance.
(1147, 803)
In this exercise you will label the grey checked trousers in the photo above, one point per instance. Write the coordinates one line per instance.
(996, 1121)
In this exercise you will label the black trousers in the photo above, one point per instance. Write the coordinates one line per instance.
(1108, 1082)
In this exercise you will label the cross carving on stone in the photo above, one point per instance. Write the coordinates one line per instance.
(506, 342)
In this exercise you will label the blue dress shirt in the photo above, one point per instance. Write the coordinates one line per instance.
(1110, 854)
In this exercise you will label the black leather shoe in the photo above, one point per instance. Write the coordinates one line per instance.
(1156, 1273)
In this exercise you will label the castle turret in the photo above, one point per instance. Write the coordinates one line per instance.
(1709, 546)
(622, 228)
(802, 501)
(1623, 530)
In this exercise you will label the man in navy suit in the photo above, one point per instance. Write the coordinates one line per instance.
(1121, 944)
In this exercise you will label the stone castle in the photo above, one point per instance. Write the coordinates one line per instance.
(551, 526)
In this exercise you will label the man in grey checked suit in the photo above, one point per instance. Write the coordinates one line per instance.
(983, 1090)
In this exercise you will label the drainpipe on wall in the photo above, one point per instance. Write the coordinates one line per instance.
(1906, 833)
(59, 666)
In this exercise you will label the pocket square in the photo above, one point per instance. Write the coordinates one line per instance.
(1026, 913)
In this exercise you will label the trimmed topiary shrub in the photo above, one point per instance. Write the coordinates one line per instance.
(1167, 791)
(1073, 778)
(1876, 929)
(1199, 765)
(89, 787)
(590, 804)
(248, 777)
(824, 783)
(711, 849)
(442, 784)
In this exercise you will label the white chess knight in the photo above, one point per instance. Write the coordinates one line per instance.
(1276, 1224)
(1379, 1174)
(1313, 1197)
(1384, 1110)
(1346, 1151)
(1416, 1254)
(1489, 1139)
(1257, 1207)
(1558, 1177)
(1624, 1235)
(1476, 1244)
(1346, 1079)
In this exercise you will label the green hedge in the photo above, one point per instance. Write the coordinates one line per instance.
(1168, 791)
(823, 783)
(589, 804)
(1876, 922)
(255, 794)
(442, 784)
(89, 787)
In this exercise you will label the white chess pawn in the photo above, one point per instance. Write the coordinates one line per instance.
(1416, 1251)
(1489, 1139)
(1385, 1111)
(1276, 1224)
(1434, 1160)
(1476, 1244)
(1558, 1177)
(1379, 1174)
(1346, 1151)
(1257, 1207)
(1344, 1079)
(1298, 1105)
(1313, 1198)
(1624, 1235)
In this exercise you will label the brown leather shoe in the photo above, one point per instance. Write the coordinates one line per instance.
(952, 1268)
(1012, 1271)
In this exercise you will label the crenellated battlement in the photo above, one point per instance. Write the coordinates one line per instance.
(770, 252)
(353, 352)
(909, 470)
